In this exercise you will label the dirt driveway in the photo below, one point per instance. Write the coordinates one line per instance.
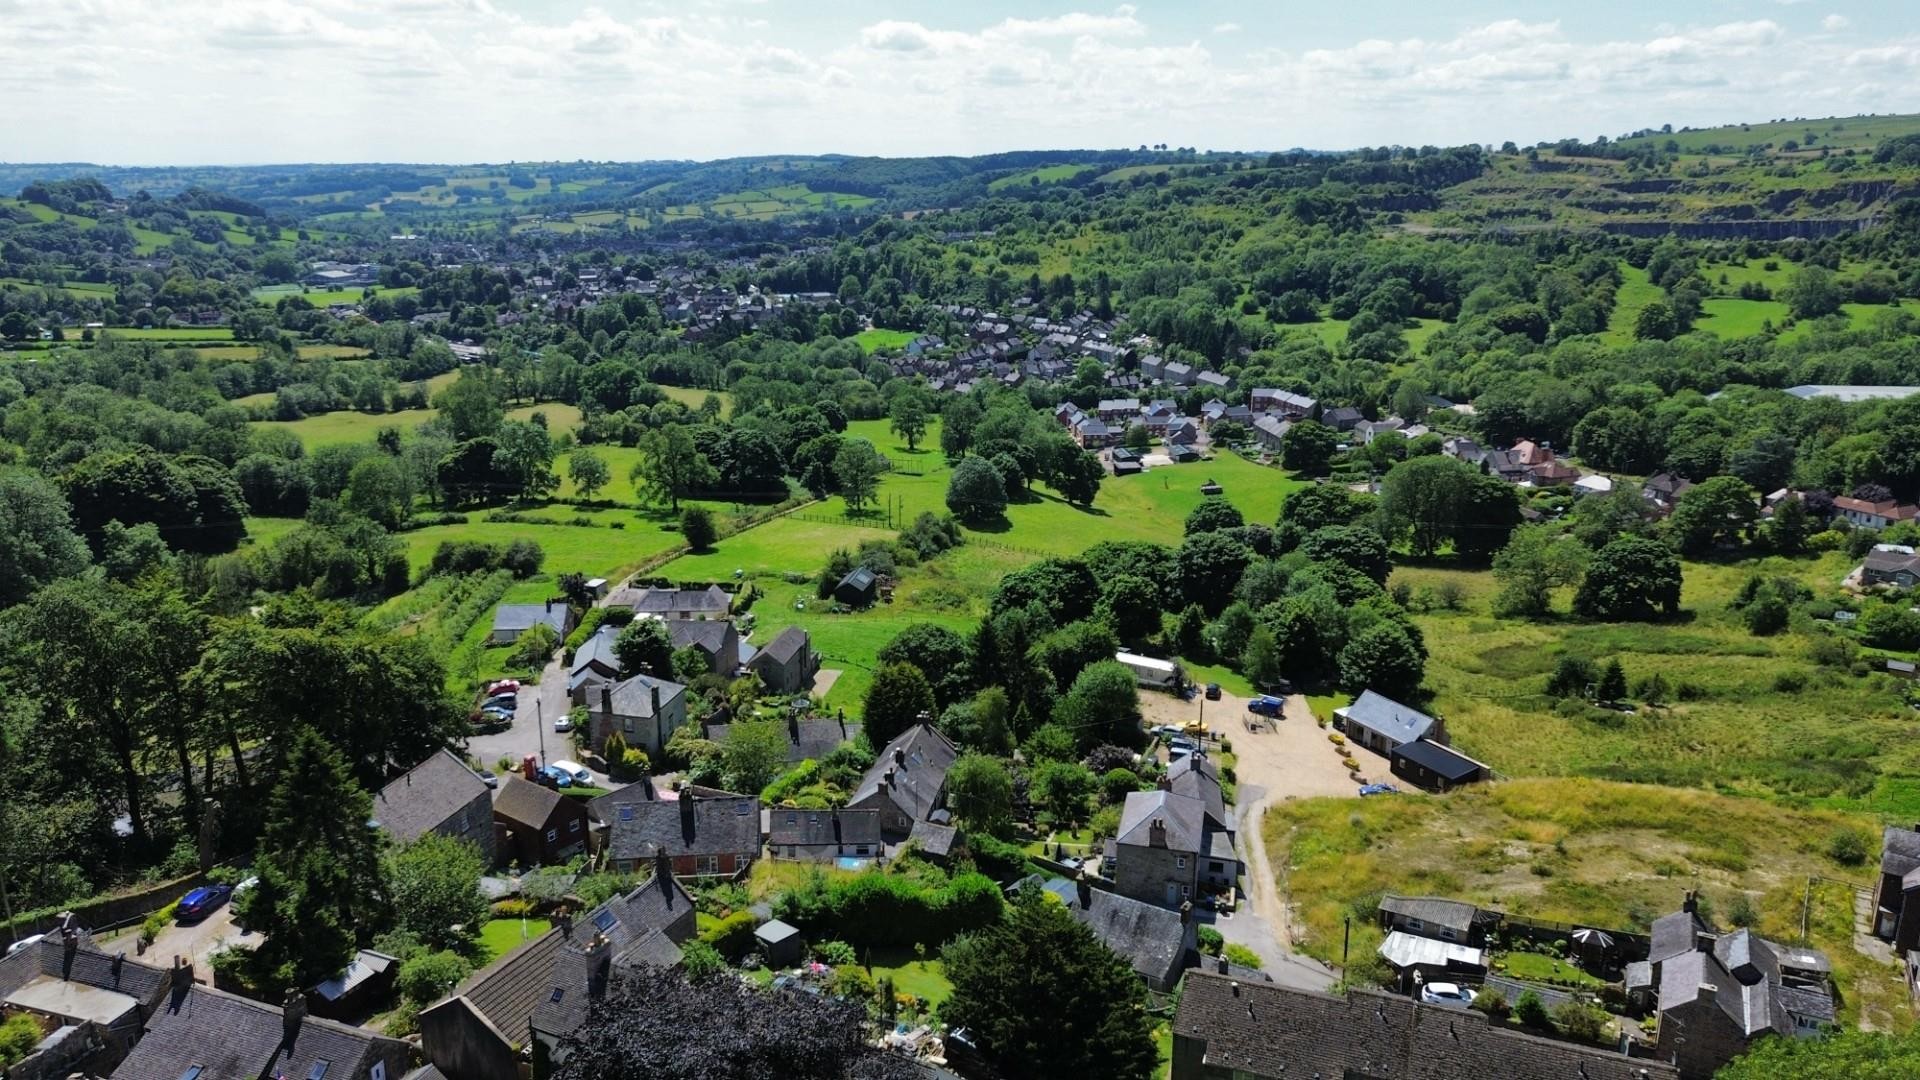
(1287, 759)
(195, 943)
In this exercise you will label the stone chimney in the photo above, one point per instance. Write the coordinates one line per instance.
(793, 726)
(663, 871)
(182, 973)
(293, 1011)
(1083, 890)
(1164, 784)
(1691, 902)
(1186, 912)
(1221, 964)
(564, 920)
(1157, 833)
(606, 701)
(899, 757)
(686, 814)
(69, 948)
(654, 690)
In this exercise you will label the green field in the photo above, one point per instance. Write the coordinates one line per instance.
(875, 339)
(170, 333)
(1050, 174)
(693, 397)
(271, 294)
(1838, 133)
(1635, 293)
(597, 551)
(1333, 332)
(331, 429)
(1734, 720)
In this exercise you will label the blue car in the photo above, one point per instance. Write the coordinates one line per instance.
(559, 778)
(1378, 789)
(201, 903)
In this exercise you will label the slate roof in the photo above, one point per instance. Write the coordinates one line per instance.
(634, 697)
(1184, 817)
(423, 799)
(1380, 713)
(860, 579)
(1201, 783)
(1271, 1031)
(712, 600)
(935, 840)
(822, 828)
(708, 635)
(233, 1037)
(689, 825)
(521, 617)
(507, 991)
(786, 644)
(1442, 761)
(1899, 851)
(1675, 933)
(1456, 915)
(918, 758)
(89, 967)
(1152, 939)
(644, 926)
(524, 802)
(597, 652)
(818, 736)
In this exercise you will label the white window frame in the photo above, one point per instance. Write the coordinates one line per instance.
(574, 825)
(1179, 862)
(553, 836)
(706, 865)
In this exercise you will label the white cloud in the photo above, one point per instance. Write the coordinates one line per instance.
(1835, 22)
(159, 80)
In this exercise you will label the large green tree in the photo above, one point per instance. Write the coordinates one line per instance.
(980, 793)
(472, 406)
(1046, 999)
(857, 468)
(645, 646)
(1631, 578)
(1714, 513)
(670, 467)
(1848, 1053)
(898, 698)
(976, 492)
(939, 653)
(907, 418)
(434, 883)
(37, 542)
(319, 869)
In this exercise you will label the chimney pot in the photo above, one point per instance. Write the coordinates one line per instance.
(899, 755)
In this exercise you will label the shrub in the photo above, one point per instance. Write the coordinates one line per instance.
(428, 976)
(512, 908)
(18, 1036)
(1532, 1012)
(1492, 1003)
(880, 908)
(151, 927)
(1210, 941)
(834, 953)
(701, 960)
(1848, 847)
(1580, 1020)
(1237, 953)
(732, 938)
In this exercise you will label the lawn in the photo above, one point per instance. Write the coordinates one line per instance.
(1538, 967)
(1747, 715)
(1635, 293)
(331, 429)
(1572, 851)
(263, 531)
(874, 339)
(924, 979)
(170, 333)
(271, 294)
(501, 936)
(693, 397)
(598, 550)
(1050, 174)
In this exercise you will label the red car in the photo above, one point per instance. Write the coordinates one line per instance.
(504, 686)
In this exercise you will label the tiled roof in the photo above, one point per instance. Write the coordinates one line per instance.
(1450, 914)
(1899, 851)
(634, 697)
(708, 635)
(423, 799)
(524, 802)
(785, 645)
(1270, 1031)
(507, 990)
(519, 617)
(88, 966)
(935, 840)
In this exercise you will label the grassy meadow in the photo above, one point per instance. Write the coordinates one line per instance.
(1747, 715)
(1575, 851)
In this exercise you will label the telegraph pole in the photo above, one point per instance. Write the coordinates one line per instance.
(540, 727)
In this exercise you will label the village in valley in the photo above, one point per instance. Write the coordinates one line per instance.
(1404, 612)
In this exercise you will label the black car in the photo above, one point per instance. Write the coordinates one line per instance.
(1213, 691)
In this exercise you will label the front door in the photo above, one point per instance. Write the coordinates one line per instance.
(1173, 894)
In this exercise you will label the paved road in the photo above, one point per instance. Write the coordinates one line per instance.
(1293, 760)
(532, 729)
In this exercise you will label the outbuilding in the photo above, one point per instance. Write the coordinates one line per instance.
(1434, 767)
(782, 945)
(858, 589)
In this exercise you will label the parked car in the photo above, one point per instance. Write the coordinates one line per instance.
(563, 724)
(23, 943)
(504, 686)
(556, 777)
(1452, 995)
(1378, 789)
(574, 771)
(201, 902)
(1266, 705)
(1213, 691)
(1164, 729)
(511, 701)
(488, 779)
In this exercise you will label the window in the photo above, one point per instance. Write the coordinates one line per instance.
(1186, 890)
(1180, 862)
(626, 813)
(1216, 867)
(1446, 933)
(378, 1072)
(707, 864)
(319, 1070)
(558, 993)
(1415, 924)
(574, 825)
(552, 835)
(627, 723)
(193, 1072)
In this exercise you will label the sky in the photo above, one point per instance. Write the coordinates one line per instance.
(133, 82)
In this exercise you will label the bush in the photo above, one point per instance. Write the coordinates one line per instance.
(1581, 1021)
(834, 953)
(997, 858)
(1241, 955)
(1210, 941)
(1532, 1012)
(151, 927)
(512, 908)
(732, 938)
(1848, 847)
(18, 1036)
(881, 908)
(701, 960)
(1492, 1003)
(428, 976)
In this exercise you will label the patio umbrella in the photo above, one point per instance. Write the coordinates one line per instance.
(1593, 939)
